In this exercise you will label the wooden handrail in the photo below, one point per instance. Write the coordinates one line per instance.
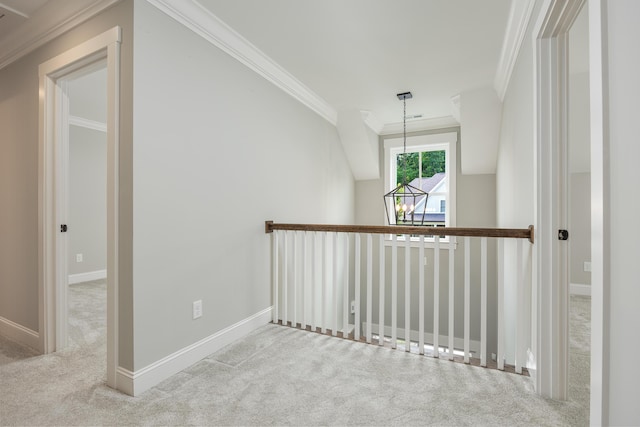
(516, 233)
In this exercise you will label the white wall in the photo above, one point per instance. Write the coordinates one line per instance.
(87, 200)
(515, 170)
(623, 211)
(217, 151)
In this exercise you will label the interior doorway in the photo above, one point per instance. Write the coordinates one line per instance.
(53, 276)
(85, 114)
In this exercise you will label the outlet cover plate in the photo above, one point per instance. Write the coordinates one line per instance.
(197, 309)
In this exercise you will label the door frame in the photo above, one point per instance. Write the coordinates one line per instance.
(52, 191)
(550, 36)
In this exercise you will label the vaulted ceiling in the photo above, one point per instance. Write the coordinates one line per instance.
(361, 53)
(355, 54)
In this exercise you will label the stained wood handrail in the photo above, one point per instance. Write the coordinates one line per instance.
(515, 233)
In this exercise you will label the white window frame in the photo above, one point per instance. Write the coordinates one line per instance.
(446, 141)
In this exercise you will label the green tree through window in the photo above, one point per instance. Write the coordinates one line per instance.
(432, 163)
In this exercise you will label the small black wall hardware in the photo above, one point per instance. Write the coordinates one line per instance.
(563, 235)
(63, 228)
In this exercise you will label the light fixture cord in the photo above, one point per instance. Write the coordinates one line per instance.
(404, 143)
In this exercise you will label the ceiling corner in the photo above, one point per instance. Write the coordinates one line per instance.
(519, 16)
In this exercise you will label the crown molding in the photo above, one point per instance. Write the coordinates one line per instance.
(455, 107)
(519, 16)
(372, 121)
(87, 123)
(46, 25)
(201, 21)
(420, 125)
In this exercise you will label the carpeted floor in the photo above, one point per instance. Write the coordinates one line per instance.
(278, 376)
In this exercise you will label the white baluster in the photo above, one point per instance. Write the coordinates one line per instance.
(345, 290)
(394, 290)
(323, 293)
(501, 304)
(294, 248)
(303, 253)
(436, 296)
(369, 285)
(467, 297)
(285, 285)
(483, 302)
(520, 321)
(451, 295)
(407, 292)
(313, 281)
(356, 333)
(334, 305)
(421, 296)
(381, 290)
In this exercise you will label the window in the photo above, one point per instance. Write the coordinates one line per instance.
(430, 166)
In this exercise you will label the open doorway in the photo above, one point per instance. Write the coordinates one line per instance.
(86, 140)
(53, 190)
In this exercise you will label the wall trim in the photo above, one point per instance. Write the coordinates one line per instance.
(135, 383)
(519, 16)
(201, 21)
(87, 277)
(19, 333)
(32, 35)
(579, 289)
(87, 123)
(420, 125)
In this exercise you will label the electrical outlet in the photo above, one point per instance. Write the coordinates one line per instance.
(78, 257)
(587, 266)
(197, 309)
(494, 357)
(353, 307)
(425, 260)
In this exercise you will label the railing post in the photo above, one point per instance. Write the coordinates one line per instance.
(275, 279)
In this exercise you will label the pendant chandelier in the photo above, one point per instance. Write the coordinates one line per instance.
(400, 203)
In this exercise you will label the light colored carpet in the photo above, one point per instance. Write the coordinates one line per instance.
(279, 376)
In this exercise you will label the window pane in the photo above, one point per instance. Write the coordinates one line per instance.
(433, 162)
(413, 167)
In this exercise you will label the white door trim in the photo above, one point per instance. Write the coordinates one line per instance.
(50, 182)
(600, 225)
(551, 142)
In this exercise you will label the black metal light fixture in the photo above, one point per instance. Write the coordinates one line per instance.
(400, 203)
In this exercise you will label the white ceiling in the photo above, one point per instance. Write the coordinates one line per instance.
(361, 53)
(355, 54)
(14, 13)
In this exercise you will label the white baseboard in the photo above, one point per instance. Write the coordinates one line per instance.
(579, 289)
(87, 277)
(19, 333)
(135, 383)
(443, 340)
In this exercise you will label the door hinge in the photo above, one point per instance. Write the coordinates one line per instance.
(563, 235)
(63, 228)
